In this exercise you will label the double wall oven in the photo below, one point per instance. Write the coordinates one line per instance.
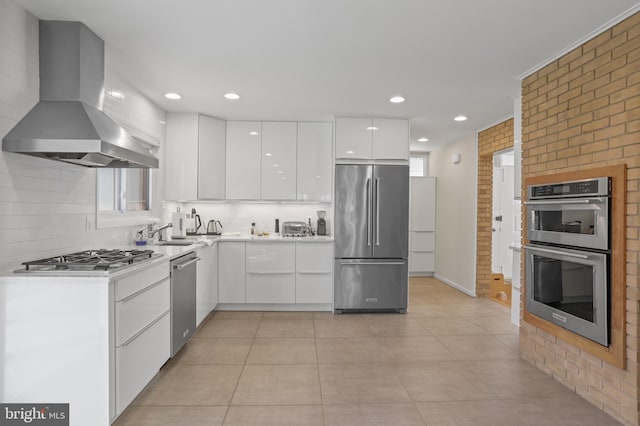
(567, 258)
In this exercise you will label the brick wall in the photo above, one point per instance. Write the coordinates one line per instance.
(490, 141)
(583, 111)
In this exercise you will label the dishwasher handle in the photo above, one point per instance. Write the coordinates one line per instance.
(181, 266)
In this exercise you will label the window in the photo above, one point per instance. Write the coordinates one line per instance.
(418, 166)
(124, 197)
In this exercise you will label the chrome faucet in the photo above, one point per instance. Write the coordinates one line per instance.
(159, 229)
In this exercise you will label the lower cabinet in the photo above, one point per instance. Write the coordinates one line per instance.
(231, 272)
(139, 359)
(276, 273)
(142, 330)
(206, 282)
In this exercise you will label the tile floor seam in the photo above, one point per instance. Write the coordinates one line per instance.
(241, 371)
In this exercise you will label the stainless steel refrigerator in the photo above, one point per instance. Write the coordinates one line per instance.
(371, 237)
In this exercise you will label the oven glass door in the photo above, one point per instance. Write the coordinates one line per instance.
(580, 222)
(569, 288)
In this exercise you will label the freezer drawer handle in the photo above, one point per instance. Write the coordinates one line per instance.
(563, 253)
(185, 264)
(372, 263)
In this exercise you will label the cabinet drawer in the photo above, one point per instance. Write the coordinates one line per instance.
(271, 257)
(421, 262)
(131, 284)
(314, 288)
(140, 360)
(140, 309)
(270, 288)
(422, 241)
(314, 257)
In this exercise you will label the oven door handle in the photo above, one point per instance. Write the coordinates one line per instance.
(563, 253)
(580, 201)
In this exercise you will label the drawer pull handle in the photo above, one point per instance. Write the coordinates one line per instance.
(151, 324)
(139, 292)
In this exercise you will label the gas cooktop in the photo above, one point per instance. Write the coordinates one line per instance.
(100, 261)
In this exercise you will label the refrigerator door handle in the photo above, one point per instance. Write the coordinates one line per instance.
(377, 185)
(369, 212)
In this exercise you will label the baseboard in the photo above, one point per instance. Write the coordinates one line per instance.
(421, 274)
(454, 285)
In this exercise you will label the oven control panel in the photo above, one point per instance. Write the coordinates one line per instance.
(597, 187)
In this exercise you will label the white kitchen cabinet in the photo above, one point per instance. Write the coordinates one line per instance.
(142, 330)
(422, 225)
(315, 158)
(353, 138)
(314, 278)
(390, 139)
(132, 110)
(181, 157)
(231, 272)
(206, 282)
(372, 139)
(423, 204)
(211, 158)
(213, 294)
(270, 272)
(244, 163)
(278, 178)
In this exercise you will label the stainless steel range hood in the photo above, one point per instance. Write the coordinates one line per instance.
(68, 123)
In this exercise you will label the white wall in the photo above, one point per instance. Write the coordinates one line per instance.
(44, 204)
(455, 248)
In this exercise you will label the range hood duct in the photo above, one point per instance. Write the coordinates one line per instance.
(68, 123)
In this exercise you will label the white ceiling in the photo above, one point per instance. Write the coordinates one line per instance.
(312, 60)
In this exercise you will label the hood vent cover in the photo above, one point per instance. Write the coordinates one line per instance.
(68, 123)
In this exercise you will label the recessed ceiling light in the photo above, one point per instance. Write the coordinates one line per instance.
(423, 140)
(460, 118)
(232, 96)
(268, 154)
(396, 100)
(173, 96)
(349, 152)
(372, 128)
(254, 133)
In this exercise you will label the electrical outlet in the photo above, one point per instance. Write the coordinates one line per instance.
(90, 224)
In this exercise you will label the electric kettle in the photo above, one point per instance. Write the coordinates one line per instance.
(212, 227)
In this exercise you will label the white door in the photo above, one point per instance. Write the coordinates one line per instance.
(502, 210)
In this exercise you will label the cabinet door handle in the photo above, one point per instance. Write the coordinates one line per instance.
(271, 273)
(185, 264)
(151, 324)
(139, 292)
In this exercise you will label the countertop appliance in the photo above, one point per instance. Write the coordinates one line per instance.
(322, 222)
(371, 237)
(567, 257)
(294, 229)
(194, 223)
(68, 123)
(178, 224)
(212, 227)
(183, 300)
(88, 262)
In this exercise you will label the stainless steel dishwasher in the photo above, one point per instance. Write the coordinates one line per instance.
(183, 300)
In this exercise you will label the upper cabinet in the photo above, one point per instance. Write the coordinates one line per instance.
(181, 157)
(132, 110)
(315, 161)
(244, 147)
(279, 140)
(372, 139)
(211, 158)
(194, 157)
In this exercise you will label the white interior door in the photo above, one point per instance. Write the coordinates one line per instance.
(503, 214)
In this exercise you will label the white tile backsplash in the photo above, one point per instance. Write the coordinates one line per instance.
(44, 204)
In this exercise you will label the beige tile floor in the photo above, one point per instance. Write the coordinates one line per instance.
(451, 361)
